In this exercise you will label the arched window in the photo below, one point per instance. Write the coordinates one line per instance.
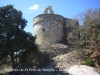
(43, 29)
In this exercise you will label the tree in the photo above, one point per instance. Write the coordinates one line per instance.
(89, 14)
(13, 38)
(91, 22)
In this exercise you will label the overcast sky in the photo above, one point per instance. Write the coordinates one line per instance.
(66, 8)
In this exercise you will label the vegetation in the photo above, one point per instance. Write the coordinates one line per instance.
(13, 38)
(18, 47)
(88, 62)
(89, 32)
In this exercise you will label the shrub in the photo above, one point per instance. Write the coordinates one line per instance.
(88, 62)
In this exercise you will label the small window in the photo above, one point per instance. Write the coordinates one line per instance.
(43, 29)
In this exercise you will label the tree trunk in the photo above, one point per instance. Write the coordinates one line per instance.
(12, 61)
(5, 59)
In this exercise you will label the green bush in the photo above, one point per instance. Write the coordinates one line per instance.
(88, 62)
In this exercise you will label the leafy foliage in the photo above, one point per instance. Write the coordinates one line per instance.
(88, 62)
(13, 38)
(89, 32)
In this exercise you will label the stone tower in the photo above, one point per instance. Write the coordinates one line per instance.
(48, 27)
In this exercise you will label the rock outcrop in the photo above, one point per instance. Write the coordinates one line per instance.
(54, 49)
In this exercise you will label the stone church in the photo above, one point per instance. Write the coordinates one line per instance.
(54, 28)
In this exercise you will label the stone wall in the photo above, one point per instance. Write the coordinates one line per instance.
(53, 28)
(71, 26)
(48, 28)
